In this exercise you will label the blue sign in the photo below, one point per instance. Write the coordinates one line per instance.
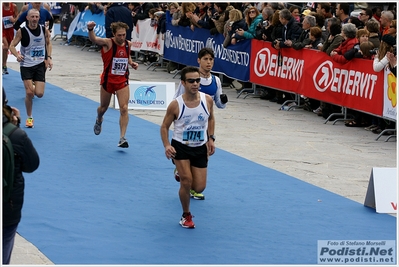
(84, 18)
(182, 46)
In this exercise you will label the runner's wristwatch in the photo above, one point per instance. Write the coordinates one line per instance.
(212, 137)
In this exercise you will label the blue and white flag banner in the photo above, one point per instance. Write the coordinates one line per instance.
(84, 18)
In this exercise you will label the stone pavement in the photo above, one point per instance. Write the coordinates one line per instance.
(296, 142)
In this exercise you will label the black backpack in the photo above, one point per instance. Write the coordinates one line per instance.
(8, 161)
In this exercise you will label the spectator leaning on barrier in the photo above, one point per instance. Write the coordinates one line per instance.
(360, 50)
(381, 62)
(252, 19)
(333, 41)
(335, 38)
(349, 33)
(160, 17)
(387, 45)
(362, 36)
(235, 22)
(278, 27)
(264, 28)
(316, 41)
(187, 12)
(206, 21)
(175, 13)
(303, 40)
(277, 34)
(220, 17)
(118, 12)
(291, 30)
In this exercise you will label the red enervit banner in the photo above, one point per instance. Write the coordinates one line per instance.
(314, 74)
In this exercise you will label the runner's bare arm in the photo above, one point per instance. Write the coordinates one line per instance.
(104, 42)
(14, 43)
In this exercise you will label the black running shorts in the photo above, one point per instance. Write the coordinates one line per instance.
(35, 73)
(198, 156)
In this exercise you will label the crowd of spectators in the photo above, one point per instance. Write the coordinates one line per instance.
(342, 30)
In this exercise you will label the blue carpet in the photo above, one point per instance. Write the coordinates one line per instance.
(91, 202)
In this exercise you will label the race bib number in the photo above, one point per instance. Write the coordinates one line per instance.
(193, 136)
(37, 52)
(119, 66)
(7, 22)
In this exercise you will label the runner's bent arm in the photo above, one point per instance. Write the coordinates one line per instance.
(211, 125)
(49, 49)
(170, 116)
(14, 43)
(98, 40)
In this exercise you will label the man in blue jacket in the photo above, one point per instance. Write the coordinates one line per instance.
(45, 16)
(118, 12)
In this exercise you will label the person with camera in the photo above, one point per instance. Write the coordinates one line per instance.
(26, 160)
(220, 17)
(193, 138)
(264, 28)
(209, 84)
(115, 53)
(252, 19)
(34, 58)
(234, 23)
(291, 30)
(381, 61)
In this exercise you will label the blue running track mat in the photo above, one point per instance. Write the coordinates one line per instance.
(91, 202)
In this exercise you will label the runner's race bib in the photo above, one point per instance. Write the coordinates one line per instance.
(37, 53)
(193, 136)
(7, 22)
(119, 66)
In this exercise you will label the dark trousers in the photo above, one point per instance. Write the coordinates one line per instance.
(8, 242)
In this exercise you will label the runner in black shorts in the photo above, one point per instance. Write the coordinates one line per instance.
(34, 59)
(193, 138)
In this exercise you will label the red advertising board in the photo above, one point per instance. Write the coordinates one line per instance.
(314, 74)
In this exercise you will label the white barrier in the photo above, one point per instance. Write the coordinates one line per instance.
(149, 95)
(144, 37)
(382, 190)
